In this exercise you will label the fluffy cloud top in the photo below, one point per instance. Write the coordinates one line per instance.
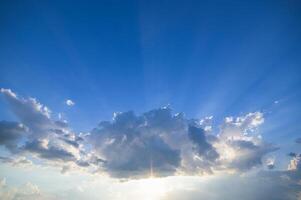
(157, 142)
(134, 145)
(45, 138)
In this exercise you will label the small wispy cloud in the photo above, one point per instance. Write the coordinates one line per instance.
(69, 102)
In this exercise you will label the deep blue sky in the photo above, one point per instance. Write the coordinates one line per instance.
(203, 57)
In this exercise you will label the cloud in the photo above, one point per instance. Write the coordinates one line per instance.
(257, 185)
(247, 154)
(202, 147)
(10, 134)
(240, 145)
(69, 102)
(270, 163)
(19, 161)
(157, 142)
(129, 142)
(133, 146)
(46, 138)
(31, 113)
(27, 191)
(295, 162)
(44, 150)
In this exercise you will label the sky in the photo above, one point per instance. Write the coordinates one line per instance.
(150, 100)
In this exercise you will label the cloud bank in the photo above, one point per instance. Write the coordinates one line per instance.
(155, 143)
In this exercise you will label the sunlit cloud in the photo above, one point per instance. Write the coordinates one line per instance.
(147, 151)
(156, 142)
(69, 102)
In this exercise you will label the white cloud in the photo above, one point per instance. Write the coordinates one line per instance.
(240, 145)
(270, 163)
(69, 102)
(24, 192)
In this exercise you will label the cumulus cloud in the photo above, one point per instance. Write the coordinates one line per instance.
(169, 144)
(30, 112)
(46, 138)
(240, 145)
(134, 145)
(155, 143)
(69, 102)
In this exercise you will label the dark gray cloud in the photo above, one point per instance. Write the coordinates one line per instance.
(46, 151)
(10, 134)
(292, 154)
(298, 140)
(133, 146)
(202, 146)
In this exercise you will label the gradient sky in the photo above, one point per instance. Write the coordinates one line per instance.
(200, 58)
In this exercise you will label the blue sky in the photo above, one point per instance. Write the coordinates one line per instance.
(201, 58)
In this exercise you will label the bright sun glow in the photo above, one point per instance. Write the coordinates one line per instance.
(150, 189)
